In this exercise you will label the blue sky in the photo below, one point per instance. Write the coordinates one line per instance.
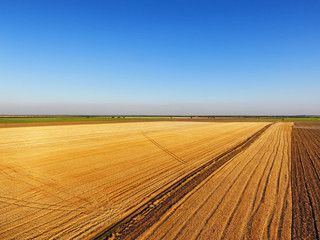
(159, 57)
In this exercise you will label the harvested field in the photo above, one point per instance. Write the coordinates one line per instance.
(306, 181)
(73, 181)
(247, 198)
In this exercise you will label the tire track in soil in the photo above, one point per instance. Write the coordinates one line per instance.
(225, 195)
(246, 188)
(81, 232)
(184, 226)
(212, 221)
(256, 207)
(137, 222)
(78, 225)
(227, 228)
(164, 149)
(273, 176)
(45, 186)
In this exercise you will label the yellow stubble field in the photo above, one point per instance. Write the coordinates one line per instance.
(247, 198)
(73, 181)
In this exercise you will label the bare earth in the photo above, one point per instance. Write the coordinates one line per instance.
(248, 198)
(72, 181)
(306, 181)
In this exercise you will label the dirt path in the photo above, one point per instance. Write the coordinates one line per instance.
(306, 181)
(249, 197)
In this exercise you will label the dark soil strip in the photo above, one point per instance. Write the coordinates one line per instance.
(305, 181)
(144, 217)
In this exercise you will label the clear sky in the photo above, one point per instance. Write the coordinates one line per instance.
(159, 57)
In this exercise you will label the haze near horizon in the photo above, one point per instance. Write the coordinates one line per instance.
(160, 57)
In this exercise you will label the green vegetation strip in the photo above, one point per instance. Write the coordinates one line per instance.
(71, 119)
(39, 119)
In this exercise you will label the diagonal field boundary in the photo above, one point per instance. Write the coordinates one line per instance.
(164, 149)
(136, 222)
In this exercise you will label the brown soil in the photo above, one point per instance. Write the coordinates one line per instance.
(306, 181)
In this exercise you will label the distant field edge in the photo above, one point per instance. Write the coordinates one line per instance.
(39, 124)
(25, 121)
(66, 122)
(141, 218)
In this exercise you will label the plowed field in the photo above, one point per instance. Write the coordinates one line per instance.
(73, 181)
(247, 198)
(306, 181)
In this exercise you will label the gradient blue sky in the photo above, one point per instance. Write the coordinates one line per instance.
(159, 57)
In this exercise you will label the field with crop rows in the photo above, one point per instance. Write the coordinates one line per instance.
(249, 197)
(306, 181)
(71, 181)
(160, 180)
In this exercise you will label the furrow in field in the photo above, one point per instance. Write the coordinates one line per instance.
(73, 181)
(198, 212)
(305, 181)
(134, 224)
(249, 197)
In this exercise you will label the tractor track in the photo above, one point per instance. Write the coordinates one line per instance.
(132, 225)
